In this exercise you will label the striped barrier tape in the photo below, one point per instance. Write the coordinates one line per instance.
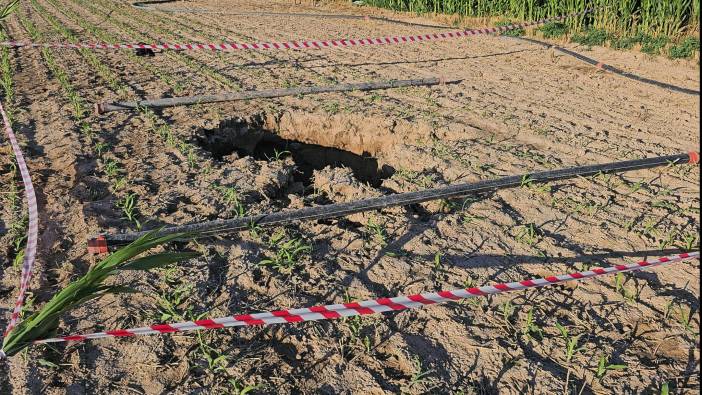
(312, 44)
(32, 234)
(373, 306)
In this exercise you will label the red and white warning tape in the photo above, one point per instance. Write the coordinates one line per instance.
(374, 306)
(300, 44)
(31, 247)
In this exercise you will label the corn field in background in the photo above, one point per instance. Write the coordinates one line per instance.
(670, 18)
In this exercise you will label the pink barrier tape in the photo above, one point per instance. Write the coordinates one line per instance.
(31, 248)
(373, 306)
(314, 44)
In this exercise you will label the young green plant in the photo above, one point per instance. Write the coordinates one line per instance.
(91, 286)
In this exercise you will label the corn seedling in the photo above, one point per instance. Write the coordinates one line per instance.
(620, 288)
(238, 388)
(8, 9)
(437, 260)
(682, 316)
(232, 200)
(571, 347)
(45, 321)
(603, 366)
(506, 310)
(530, 329)
(277, 155)
(111, 168)
(377, 232)
(420, 377)
(287, 253)
(171, 300)
(100, 148)
(690, 240)
(571, 342)
(128, 206)
(527, 234)
(216, 361)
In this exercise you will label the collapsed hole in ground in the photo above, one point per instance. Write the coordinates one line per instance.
(251, 137)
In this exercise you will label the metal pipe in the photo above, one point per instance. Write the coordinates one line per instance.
(101, 108)
(402, 199)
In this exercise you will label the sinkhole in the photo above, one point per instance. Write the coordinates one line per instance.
(251, 137)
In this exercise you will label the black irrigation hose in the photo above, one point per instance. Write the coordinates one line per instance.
(101, 108)
(611, 69)
(581, 57)
(403, 199)
(145, 6)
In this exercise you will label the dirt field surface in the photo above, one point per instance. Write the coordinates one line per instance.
(518, 108)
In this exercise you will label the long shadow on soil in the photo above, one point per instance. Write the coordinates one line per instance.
(284, 64)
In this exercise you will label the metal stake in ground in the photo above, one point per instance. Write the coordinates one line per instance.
(99, 243)
(101, 108)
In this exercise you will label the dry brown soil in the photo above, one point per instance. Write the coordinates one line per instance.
(517, 109)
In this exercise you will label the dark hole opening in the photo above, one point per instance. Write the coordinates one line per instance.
(250, 139)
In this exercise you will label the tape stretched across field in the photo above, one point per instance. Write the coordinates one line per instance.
(312, 44)
(33, 231)
(373, 306)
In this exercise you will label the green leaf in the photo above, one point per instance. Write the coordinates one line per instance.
(42, 323)
(119, 289)
(44, 362)
(158, 260)
(9, 9)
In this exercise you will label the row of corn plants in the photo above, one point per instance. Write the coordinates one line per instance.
(200, 27)
(11, 197)
(110, 165)
(169, 79)
(193, 64)
(44, 321)
(176, 291)
(671, 18)
(156, 124)
(100, 68)
(655, 25)
(170, 30)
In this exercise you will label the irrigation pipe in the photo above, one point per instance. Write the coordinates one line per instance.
(609, 68)
(372, 306)
(99, 244)
(101, 108)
